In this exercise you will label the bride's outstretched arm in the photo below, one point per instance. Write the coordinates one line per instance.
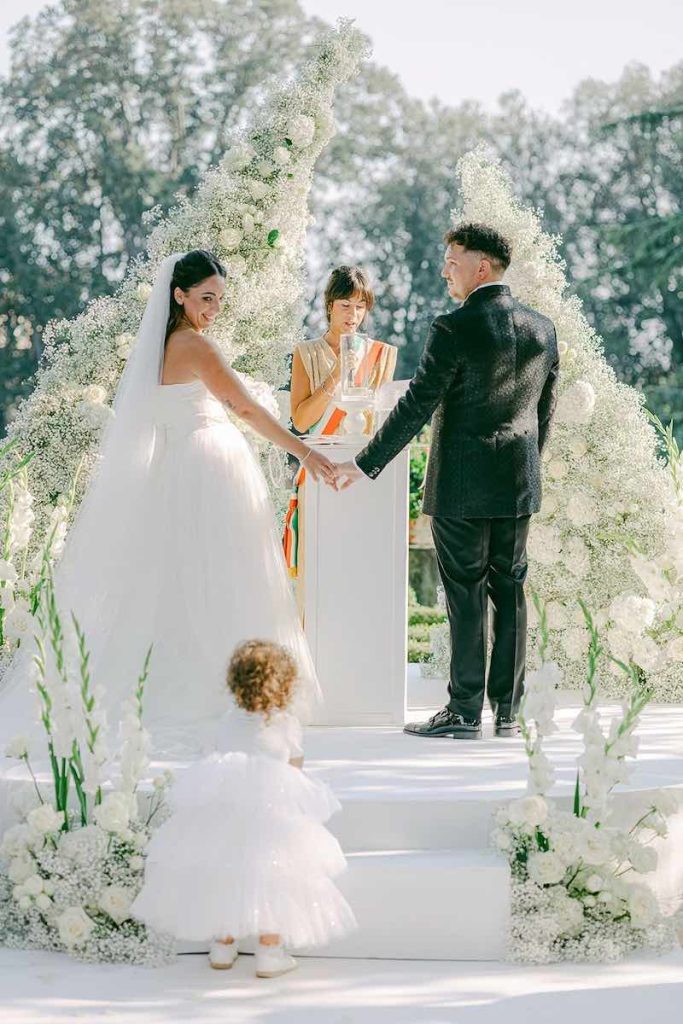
(222, 381)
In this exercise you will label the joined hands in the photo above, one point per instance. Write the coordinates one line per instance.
(337, 475)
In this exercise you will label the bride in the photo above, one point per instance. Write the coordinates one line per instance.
(175, 544)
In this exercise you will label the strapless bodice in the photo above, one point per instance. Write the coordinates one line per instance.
(183, 408)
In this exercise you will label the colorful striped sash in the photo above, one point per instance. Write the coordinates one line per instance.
(324, 428)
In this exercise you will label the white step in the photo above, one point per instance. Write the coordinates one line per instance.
(426, 905)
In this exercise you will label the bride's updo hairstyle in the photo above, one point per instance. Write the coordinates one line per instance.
(191, 269)
(261, 676)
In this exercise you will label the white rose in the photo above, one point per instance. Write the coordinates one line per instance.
(74, 926)
(230, 238)
(113, 814)
(578, 447)
(33, 885)
(235, 266)
(576, 404)
(248, 223)
(643, 858)
(24, 902)
(8, 573)
(20, 869)
(281, 156)
(548, 505)
(43, 901)
(594, 883)
(239, 157)
(646, 653)
(15, 840)
(581, 509)
(116, 901)
(258, 189)
(642, 906)
(575, 643)
(124, 344)
(619, 644)
(557, 469)
(501, 839)
(544, 544)
(674, 649)
(95, 394)
(557, 615)
(546, 868)
(45, 819)
(594, 848)
(632, 613)
(530, 810)
(17, 747)
(265, 168)
(301, 131)
(143, 291)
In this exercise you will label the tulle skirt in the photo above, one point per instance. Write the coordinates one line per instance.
(245, 852)
(193, 569)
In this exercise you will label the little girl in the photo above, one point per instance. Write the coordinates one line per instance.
(244, 852)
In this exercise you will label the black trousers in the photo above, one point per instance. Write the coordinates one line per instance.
(482, 560)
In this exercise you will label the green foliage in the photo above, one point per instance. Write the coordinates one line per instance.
(420, 615)
(418, 468)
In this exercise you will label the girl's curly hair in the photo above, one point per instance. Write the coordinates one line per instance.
(261, 676)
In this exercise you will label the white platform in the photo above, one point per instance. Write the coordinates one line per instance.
(416, 820)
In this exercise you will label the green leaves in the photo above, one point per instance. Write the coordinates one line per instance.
(273, 237)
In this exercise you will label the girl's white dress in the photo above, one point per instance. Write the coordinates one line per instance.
(244, 851)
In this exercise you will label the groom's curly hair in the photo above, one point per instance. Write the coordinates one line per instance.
(484, 239)
(261, 676)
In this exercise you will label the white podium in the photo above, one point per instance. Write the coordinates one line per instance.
(355, 578)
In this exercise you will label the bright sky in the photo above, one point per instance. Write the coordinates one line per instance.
(460, 49)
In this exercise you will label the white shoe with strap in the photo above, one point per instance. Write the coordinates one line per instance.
(222, 955)
(272, 961)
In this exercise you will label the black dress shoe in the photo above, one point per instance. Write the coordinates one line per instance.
(446, 723)
(505, 725)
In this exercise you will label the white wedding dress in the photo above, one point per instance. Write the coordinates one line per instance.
(174, 546)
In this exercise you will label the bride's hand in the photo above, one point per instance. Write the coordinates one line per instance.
(320, 467)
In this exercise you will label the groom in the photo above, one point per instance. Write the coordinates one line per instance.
(489, 374)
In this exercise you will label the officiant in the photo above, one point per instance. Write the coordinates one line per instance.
(315, 386)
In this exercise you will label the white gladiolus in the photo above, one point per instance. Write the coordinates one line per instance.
(74, 926)
(18, 622)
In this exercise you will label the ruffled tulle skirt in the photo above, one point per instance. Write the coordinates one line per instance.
(245, 852)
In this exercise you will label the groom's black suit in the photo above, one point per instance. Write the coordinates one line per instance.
(489, 374)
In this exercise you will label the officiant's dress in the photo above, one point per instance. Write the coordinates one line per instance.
(199, 569)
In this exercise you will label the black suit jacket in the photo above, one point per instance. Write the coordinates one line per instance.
(489, 374)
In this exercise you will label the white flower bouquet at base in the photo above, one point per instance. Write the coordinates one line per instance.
(576, 882)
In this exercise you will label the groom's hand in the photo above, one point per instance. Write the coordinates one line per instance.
(347, 474)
